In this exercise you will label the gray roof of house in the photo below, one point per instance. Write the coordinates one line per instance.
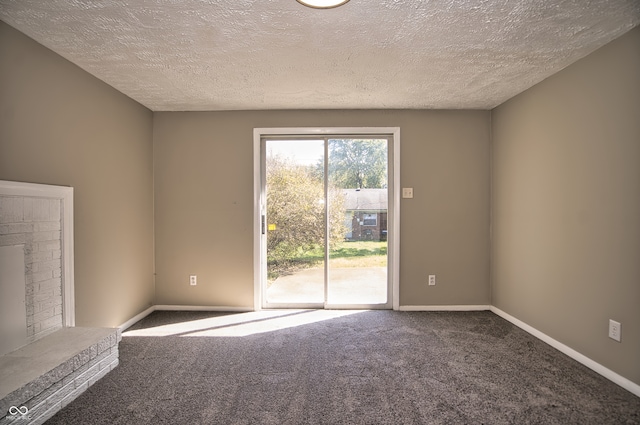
(365, 199)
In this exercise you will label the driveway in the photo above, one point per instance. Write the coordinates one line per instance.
(346, 286)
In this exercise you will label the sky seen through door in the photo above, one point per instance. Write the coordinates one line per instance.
(302, 152)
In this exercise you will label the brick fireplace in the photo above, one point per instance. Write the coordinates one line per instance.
(36, 222)
(45, 360)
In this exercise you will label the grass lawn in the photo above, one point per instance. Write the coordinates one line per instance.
(345, 254)
(359, 254)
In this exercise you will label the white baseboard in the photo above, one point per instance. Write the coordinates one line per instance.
(596, 367)
(202, 308)
(135, 319)
(444, 307)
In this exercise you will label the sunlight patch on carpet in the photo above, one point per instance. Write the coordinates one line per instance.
(242, 324)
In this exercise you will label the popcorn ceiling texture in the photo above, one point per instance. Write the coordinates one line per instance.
(174, 55)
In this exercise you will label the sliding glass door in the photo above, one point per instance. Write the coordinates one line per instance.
(295, 222)
(325, 222)
(357, 177)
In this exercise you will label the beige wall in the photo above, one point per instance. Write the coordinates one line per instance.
(59, 125)
(566, 205)
(204, 202)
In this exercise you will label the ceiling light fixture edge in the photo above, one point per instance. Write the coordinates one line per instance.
(322, 4)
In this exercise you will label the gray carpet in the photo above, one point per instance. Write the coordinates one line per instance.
(374, 367)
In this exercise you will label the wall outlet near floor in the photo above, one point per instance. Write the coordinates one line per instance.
(432, 280)
(615, 330)
(193, 280)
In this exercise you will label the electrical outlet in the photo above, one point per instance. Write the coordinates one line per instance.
(432, 280)
(193, 280)
(615, 330)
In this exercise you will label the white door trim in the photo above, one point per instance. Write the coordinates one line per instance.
(259, 265)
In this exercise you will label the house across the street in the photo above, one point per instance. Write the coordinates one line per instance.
(366, 214)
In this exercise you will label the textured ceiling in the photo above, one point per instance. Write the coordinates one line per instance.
(173, 55)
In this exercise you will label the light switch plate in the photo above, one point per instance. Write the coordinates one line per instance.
(407, 192)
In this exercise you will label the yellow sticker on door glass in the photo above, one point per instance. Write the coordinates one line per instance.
(272, 227)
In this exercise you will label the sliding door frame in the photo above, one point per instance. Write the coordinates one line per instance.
(259, 243)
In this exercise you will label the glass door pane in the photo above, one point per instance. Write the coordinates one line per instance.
(295, 222)
(325, 222)
(358, 205)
